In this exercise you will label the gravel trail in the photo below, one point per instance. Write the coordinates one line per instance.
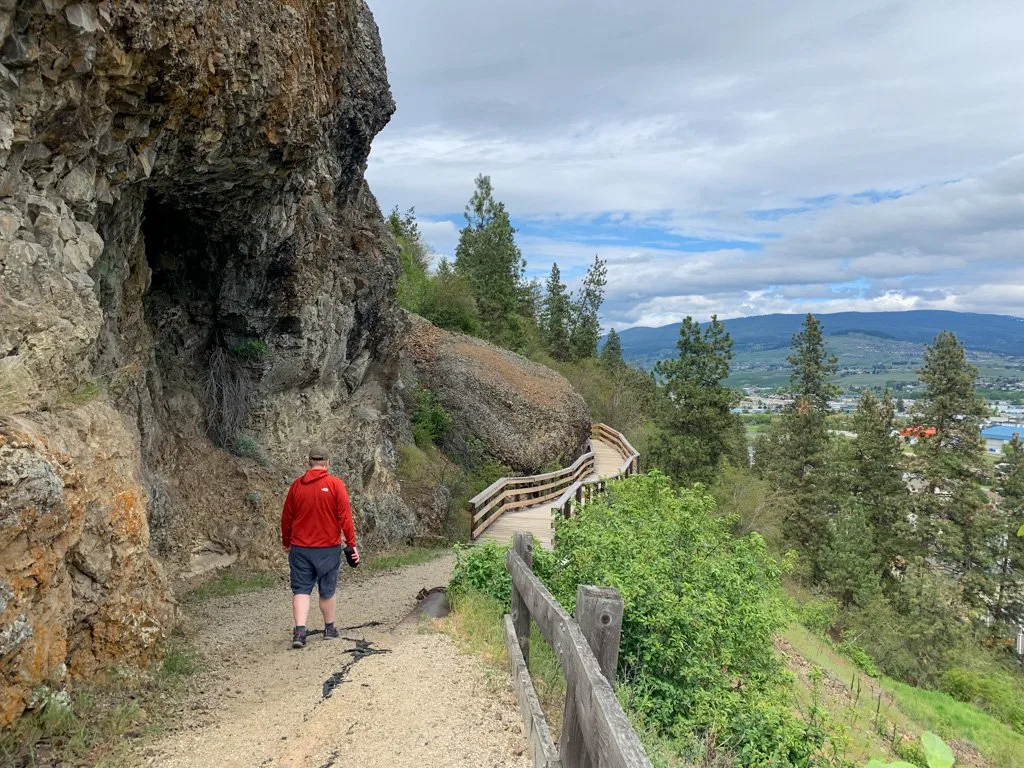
(262, 704)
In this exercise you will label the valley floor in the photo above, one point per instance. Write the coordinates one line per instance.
(258, 703)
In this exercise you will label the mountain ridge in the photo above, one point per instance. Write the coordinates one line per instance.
(1000, 334)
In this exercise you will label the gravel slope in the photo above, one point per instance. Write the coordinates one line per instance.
(424, 703)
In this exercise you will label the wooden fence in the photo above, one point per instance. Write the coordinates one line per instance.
(595, 732)
(564, 487)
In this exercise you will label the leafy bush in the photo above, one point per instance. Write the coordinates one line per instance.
(701, 607)
(430, 421)
(818, 615)
(998, 693)
(482, 568)
(859, 657)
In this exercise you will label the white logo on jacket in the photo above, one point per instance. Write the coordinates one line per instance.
(326, 490)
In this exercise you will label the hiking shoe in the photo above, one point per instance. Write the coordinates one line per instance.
(299, 638)
(331, 633)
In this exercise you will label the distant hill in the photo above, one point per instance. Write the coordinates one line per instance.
(998, 334)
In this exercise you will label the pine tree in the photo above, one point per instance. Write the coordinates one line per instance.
(585, 325)
(853, 566)
(803, 446)
(488, 257)
(1008, 605)
(611, 353)
(875, 479)
(414, 281)
(554, 316)
(955, 524)
(696, 422)
(812, 366)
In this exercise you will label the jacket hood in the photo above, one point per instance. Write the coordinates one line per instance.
(312, 475)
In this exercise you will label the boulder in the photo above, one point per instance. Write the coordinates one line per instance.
(522, 414)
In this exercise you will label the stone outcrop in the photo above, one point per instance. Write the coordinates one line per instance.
(522, 414)
(195, 282)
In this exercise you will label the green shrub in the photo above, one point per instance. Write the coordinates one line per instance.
(859, 657)
(250, 351)
(482, 568)
(701, 609)
(430, 421)
(818, 615)
(246, 447)
(998, 693)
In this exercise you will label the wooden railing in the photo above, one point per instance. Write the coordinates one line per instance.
(511, 493)
(583, 491)
(595, 730)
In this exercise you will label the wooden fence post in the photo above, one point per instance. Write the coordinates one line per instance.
(522, 544)
(599, 614)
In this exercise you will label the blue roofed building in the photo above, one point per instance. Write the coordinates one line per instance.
(998, 435)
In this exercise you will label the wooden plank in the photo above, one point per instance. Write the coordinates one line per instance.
(599, 616)
(539, 742)
(606, 729)
(522, 547)
(481, 498)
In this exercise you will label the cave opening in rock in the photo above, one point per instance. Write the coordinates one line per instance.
(194, 350)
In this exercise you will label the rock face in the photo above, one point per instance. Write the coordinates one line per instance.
(195, 282)
(523, 414)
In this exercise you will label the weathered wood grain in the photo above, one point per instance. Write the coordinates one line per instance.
(540, 745)
(607, 733)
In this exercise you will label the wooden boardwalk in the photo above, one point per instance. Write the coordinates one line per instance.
(537, 519)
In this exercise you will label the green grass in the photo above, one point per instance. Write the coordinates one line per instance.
(233, 583)
(852, 699)
(952, 719)
(413, 556)
(477, 622)
(99, 723)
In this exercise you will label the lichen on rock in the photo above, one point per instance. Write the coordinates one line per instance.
(522, 414)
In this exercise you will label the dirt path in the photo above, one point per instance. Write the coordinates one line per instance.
(424, 703)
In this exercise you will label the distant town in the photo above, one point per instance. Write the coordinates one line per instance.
(1005, 420)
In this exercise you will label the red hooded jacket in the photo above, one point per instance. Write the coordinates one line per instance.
(316, 512)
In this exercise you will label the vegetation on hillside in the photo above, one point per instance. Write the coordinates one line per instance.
(904, 563)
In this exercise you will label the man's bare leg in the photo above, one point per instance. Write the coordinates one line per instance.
(327, 608)
(300, 609)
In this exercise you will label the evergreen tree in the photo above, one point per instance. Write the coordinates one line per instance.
(414, 280)
(852, 566)
(1008, 606)
(488, 257)
(585, 325)
(955, 524)
(875, 479)
(696, 423)
(812, 366)
(802, 445)
(611, 353)
(554, 316)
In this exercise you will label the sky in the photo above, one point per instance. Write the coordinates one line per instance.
(731, 158)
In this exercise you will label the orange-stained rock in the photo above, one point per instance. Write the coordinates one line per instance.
(66, 510)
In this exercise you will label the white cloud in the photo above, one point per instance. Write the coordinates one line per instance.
(685, 116)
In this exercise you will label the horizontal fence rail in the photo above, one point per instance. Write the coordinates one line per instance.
(584, 491)
(595, 730)
(563, 486)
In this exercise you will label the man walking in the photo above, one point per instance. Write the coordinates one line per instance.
(316, 514)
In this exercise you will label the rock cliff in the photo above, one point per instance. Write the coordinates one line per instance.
(195, 282)
(522, 414)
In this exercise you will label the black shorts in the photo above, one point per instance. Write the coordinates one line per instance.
(314, 565)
